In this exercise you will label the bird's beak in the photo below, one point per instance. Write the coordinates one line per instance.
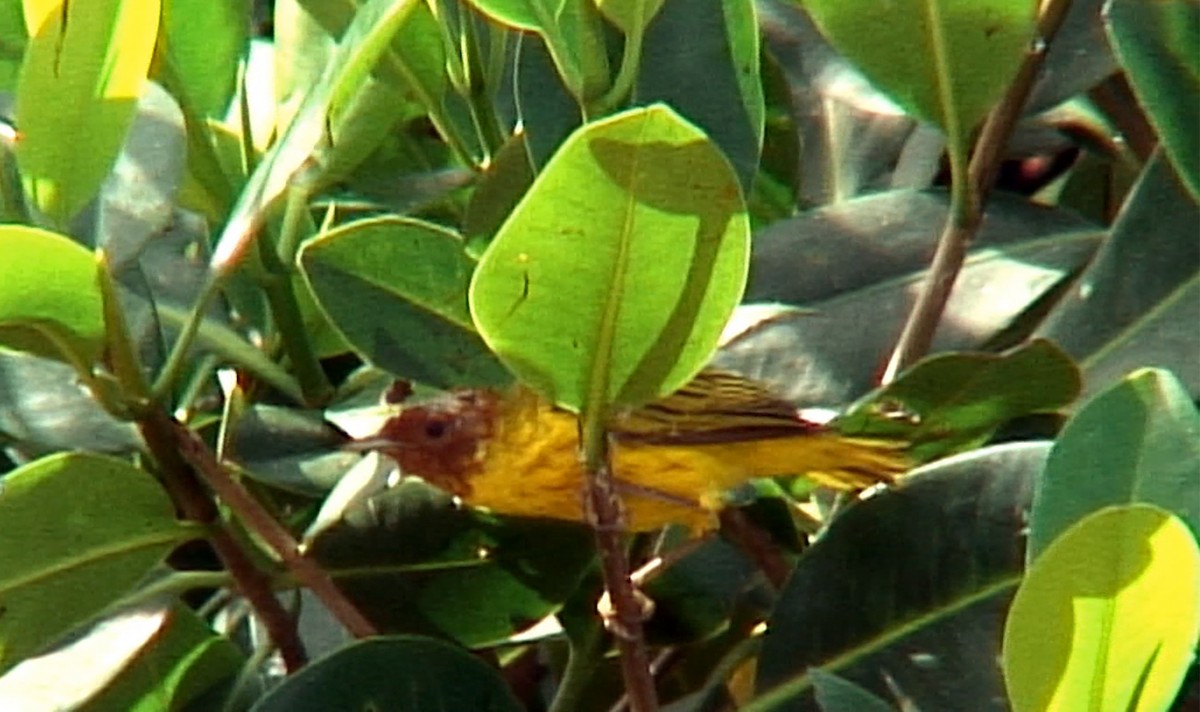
(375, 442)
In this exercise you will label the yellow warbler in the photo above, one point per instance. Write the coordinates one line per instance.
(514, 453)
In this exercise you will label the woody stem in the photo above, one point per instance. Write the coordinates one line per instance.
(603, 504)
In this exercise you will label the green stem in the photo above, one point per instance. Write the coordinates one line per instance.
(279, 288)
(433, 107)
(179, 582)
(177, 358)
(582, 662)
(622, 86)
(229, 345)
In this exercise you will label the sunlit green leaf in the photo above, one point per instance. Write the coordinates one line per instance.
(82, 75)
(1107, 618)
(49, 298)
(627, 283)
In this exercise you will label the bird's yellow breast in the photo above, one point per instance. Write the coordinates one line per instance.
(531, 467)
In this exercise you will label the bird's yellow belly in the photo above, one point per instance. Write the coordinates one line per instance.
(537, 473)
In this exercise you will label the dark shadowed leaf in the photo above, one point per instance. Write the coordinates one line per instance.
(544, 106)
(415, 562)
(397, 290)
(694, 597)
(1079, 57)
(1142, 275)
(858, 266)
(45, 408)
(851, 136)
(1159, 47)
(911, 584)
(393, 673)
(291, 449)
(837, 695)
(701, 57)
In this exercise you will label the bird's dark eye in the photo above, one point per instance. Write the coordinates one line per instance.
(435, 429)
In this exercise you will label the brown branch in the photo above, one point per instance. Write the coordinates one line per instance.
(947, 262)
(1115, 98)
(196, 505)
(604, 510)
(259, 521)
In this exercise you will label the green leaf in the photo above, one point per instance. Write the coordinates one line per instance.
(702, 58)
(835, 694)
(1137, 287)
(907, 588)
(1158, 44)
(79, 531)
(571, 31)
(50, 301)
(957, 401)
(82, 74)
(12, 44)
(945, 62)
(873, 254)
(1138, 441)
(1107, 618)
(203, 41)
(547, 111)
(462, 575)
(181, 663)
(289, 162)
(397, 290)
(144, 658)
(629, 15)
(627, 284)
(393, 673)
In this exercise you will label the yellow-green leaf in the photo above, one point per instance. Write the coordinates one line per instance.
(49, 298)
(83, 71)
(613, 277)
(1107, 618)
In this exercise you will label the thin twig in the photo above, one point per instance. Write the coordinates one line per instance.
(960, 228)
(195, 504)
(259, 521)
(1115, 98)
(757, 545)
